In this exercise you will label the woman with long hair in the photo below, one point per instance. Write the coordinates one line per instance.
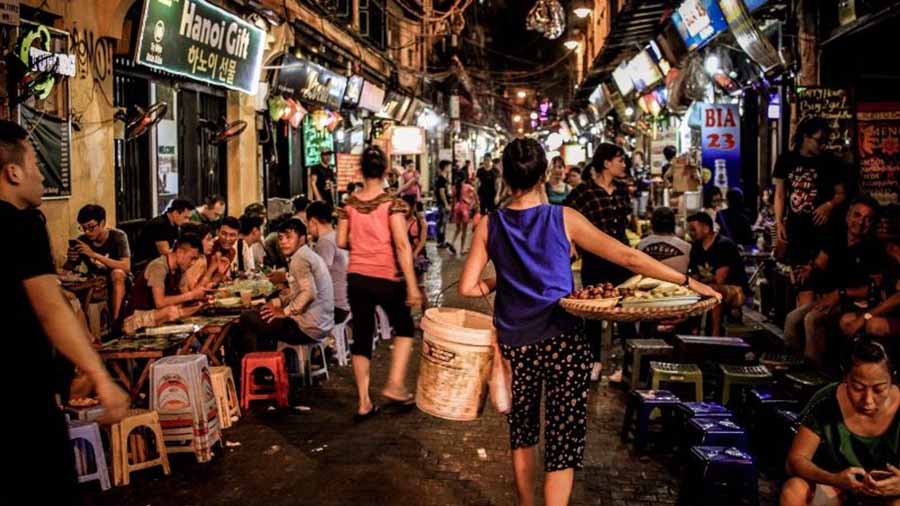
(373, 227)
(529, 244)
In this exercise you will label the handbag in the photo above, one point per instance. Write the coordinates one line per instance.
(500, 383)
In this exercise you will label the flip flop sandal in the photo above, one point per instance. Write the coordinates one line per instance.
(410, 400)
(359, 418)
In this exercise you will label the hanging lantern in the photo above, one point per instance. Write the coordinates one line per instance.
(547, 17)
(276, 105)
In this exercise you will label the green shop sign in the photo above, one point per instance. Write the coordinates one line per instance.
(196, 39)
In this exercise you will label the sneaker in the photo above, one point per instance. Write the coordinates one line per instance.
(443, 245)
(452, 249)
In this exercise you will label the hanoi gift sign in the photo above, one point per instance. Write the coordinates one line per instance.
(196, 39)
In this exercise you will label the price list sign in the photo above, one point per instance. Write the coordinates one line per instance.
(832, 105)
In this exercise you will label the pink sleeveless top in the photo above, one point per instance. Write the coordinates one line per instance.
(371, 244)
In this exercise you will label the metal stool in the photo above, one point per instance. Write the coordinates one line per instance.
(640, 404)
(742, 375)
(638, 352)
(667, 372)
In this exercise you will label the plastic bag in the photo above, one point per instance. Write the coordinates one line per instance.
(500, 384)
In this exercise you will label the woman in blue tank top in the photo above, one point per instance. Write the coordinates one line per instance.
(529, 244)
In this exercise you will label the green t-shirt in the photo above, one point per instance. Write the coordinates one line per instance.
(840, 448)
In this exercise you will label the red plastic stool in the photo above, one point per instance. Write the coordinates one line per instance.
(273, 361)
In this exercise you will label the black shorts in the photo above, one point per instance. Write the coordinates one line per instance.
(365, 293)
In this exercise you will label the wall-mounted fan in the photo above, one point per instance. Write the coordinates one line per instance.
(141, 121)
(222, 131)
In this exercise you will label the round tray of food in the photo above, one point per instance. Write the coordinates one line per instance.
(637, 299)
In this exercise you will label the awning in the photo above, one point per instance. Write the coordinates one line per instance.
(632, 28)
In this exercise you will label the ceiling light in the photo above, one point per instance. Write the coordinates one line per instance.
(517, 118)
(583, 8)
(629, 111)
(571, 44)
(712, 64)
(534, 115)
(522, 94)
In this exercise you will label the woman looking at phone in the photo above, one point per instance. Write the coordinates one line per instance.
(846, 450)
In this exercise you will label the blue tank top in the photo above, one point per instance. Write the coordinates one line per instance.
(530, 252)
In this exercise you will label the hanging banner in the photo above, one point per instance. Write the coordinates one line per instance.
(353, 91)
(196, 39)
(698, 21)
(395, 106)
(721, 145)
(371, 98)
(747, 35)
(832, 105)
(879, 150)
(310, 82)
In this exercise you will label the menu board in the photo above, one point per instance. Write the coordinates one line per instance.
(315, 139)
(834, 106)
(349, 169)
(50, 138)
(879, 150)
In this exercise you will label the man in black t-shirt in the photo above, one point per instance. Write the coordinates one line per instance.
(103, 251)
(159, 234)
(716, 261)
(442, 200)
(840, 275)
(487, 178)
(43, 320)
(808, 188)
(322, 179)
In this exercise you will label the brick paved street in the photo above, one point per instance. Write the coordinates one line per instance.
(320, 457)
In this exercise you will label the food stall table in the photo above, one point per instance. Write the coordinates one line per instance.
(120, 353)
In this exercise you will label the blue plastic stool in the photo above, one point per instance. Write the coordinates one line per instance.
(716, 432)
(87, 447)
(704, 409)
(717, 475)
(640, 405)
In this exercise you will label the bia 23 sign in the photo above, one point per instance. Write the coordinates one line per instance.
(196, 39)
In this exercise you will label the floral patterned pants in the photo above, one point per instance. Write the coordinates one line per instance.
(561, 367)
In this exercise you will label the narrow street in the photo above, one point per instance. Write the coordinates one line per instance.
(320, 457)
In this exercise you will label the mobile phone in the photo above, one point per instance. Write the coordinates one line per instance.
(879, 474)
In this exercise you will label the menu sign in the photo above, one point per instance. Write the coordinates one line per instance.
(310, 82)
(748, 36)
(879, 150)
(349, 169)
(371, 98)
(196, 39)
(50, 137)
(833, 105)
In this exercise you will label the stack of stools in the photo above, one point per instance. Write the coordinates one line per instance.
(89, 454)
(803, 384)
(743, 377)
(716, 432)
(181, 392)
(717, 475)
(638, 354)
(227, 402)
(119, 438)
(709, 352)
(762, 421)
(669, 374)
(641, 403)
(689, 410)
(251, 391)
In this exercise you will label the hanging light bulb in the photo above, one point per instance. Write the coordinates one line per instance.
(534, 115)
(571, 44)
(582, 9)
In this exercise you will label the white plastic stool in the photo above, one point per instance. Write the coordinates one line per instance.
(383, 330)
(84, 435)
(304, 362)
(342, 342)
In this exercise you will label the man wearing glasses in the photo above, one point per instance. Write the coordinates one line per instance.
(103, 251)
(808, 187)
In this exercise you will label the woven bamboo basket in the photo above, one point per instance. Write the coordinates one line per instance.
(590, 310)
(455, 363)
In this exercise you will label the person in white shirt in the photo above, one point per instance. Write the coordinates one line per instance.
(250, 235)
(306, 313)
(663, 244)
(321, 228)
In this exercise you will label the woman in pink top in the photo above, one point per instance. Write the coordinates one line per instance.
(466, 201)
(372, 226)
(409, 181)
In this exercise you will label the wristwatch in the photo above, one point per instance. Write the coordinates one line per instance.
(867, 316)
